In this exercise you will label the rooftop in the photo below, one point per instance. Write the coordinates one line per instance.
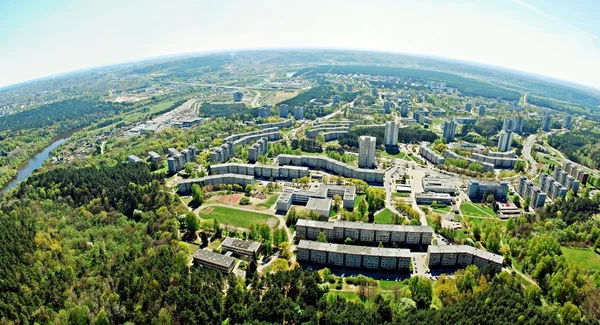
(355, 250)
(211, 257)
(245, 245)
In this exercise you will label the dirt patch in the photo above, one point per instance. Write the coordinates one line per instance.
(224, 198)
(235, 198)
(272, 222)
(207, 211)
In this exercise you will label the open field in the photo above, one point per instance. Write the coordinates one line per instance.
(358, 198)
(384, 217)
(476, 210)
(279, 96)
(582, 257)
(234, 217)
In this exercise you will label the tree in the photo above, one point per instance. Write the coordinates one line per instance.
(362, 206)
(321, 237)
(280, 264)
(348, 241)
(527, 201)
(248, 189)
(569, 313)
(191, 222)
(291, 218)
(284, 248)
(102, 318)
(421, 291)
(337, 203)
(197, 194)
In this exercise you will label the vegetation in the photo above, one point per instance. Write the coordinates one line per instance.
(234, 217)
(580, 146)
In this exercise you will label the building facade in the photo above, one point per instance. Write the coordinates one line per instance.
(366, 151)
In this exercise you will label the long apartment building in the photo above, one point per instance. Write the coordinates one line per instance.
(461, 255)
(431, 155)
(488, 167)
(568, 181)
(373, 258)
(260, 171)
(278, 125)
(177, 160)
(579, 174)
(185, 186)
(259, 148)
(536, 194)
(333, 166)
(338, 231)
(290, 196)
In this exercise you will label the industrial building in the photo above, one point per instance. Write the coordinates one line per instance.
(462, 255)
(333, 166)
(338, 231)
(291, 196)
(438, 185)
(245, 249)
(185, 186)
(212, 260)
(477, 189)
(350, 256)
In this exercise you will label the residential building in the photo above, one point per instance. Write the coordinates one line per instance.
(299, 112)
(373, 258)
(338, 231)
(505, 140)
(366, 151)
(430, 154)
(567, 123)
(461, 256)
(185, 186)
(468, 107)
(517, 125)
(481, 110)
(333, 166)
(546, 122)
(337, 99)
(391, 133)
(321, 207)
(264, 111)
(404, 110)
(284, 110)
(154, 157)
(260, 171)
(438, 185)
(449, 130)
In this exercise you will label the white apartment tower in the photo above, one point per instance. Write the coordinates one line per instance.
(366, 151)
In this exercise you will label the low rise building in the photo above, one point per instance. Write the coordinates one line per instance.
(507, 210)
(477, 189)
(134, 159)
(260, 171)
(438, 185)
(246, 249)
(291, 196)
(185, 186)
(430, 197)
(154, 157)
(431, 155)
(321, 207)
(373, 258)
(212, 260)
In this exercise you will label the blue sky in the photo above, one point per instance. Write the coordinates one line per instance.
(555, 38)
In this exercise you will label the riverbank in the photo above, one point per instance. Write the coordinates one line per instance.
(36, 160)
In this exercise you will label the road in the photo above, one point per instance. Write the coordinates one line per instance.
(527, 147)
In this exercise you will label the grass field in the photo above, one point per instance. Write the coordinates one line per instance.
(476, 210)
(400, 194)
(234, 217)
(384, 217)
(269, 202)
(583, 257)
(279, 96)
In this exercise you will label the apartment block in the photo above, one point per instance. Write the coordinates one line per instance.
(460, 256)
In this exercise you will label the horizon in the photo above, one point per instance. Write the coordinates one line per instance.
(524, 36)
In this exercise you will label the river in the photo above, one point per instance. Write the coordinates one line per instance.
(35, 162)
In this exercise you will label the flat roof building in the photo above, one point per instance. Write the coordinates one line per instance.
(243, 248)
(461, 256)
(438, 185)
(477, 189)
(366, 151)
(430, 197)
(350, 256)
(212, 260)
(322, 207)
(134, 159)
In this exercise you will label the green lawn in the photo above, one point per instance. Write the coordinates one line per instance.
(401, 194)
(358, 198)
(400, 155)
(384, 217)
(447, 208)
(269, 202)
(476, 210)
(349, 295)
(583, 257)
(234, 217)
(388, 285)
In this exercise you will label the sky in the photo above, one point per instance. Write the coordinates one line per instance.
(555, 38)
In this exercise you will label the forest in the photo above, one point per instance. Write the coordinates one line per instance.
(580, 146)
(65, 115)
(302, 99)
(466, 86)
(226, 110)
